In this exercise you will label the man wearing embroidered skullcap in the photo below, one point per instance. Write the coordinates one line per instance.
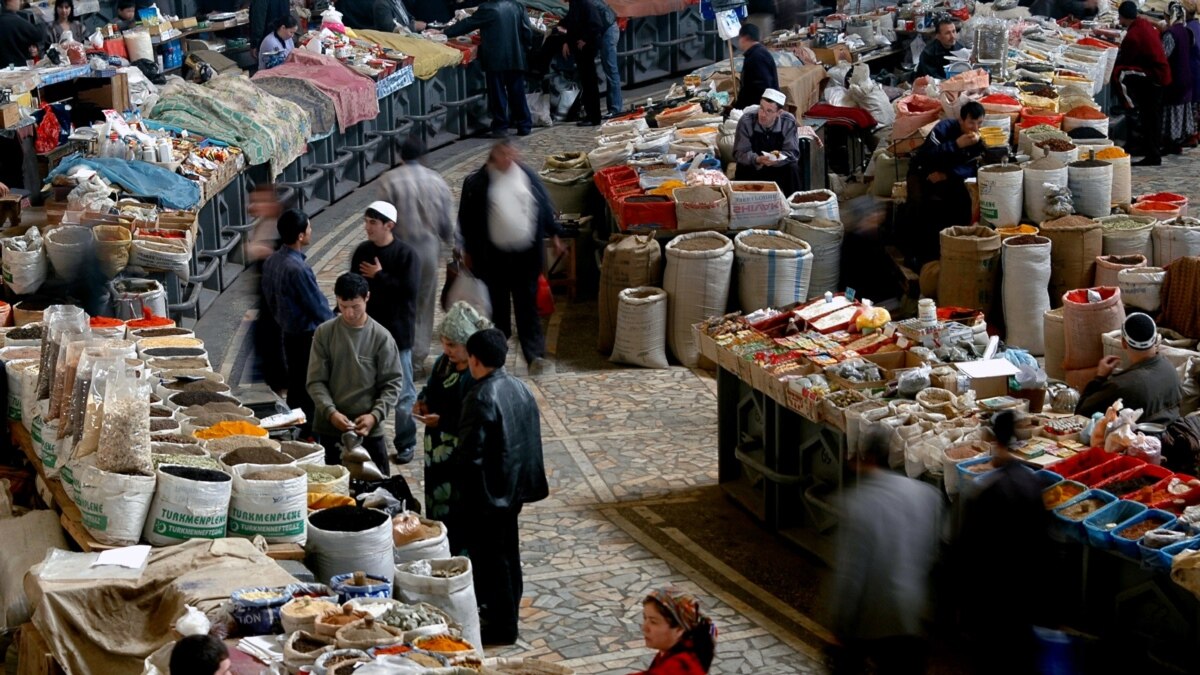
(767, 145)
(1148, 382)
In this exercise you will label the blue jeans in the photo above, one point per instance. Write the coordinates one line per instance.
(406, 428)
(506, 101)
(612, 73)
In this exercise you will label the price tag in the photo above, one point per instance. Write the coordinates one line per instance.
(728, 24)
(902, 342)
(889, 330)
(850, 294)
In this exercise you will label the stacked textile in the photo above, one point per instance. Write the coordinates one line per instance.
(353, 94)
(428, 57)
(322, 115)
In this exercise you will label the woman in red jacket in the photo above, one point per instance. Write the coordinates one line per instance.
(674, 624)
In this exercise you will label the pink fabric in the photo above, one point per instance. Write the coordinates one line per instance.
(353, 94)
(628, 9)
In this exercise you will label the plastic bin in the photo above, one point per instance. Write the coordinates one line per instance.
(1065, 529)
(1099, 534)
(614, 175)
(1066, 484)
(1072, 466)
(1156, 558)
(645, 212)
(967, 479)
(1178, 503)
(1155, 472)
(1167, 554)
(1046, 478)
(1098, 474)
(1129, 547)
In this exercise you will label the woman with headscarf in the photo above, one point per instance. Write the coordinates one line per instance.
(674, 624)
(439, 406)
(1179, 123)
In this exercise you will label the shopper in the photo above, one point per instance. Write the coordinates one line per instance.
(1149, 383)
(200, 655)
(499, 468)
(1141, 74)
(505, 216)
(291, 295)
(758, 68)
(270, 363)
(765, 129)
(19, 36)
(126, 14)
(275, 47)
(354, 375)
(937, 177)
(888, 542)
(938, 51)
(587, 25)
(504, 37)
(392, 16)
(65, 22)
(439, 408)
(1004, 529)
(424, 221)
(393, 271)
(264, 15)
(1179, 124)
(676, 627)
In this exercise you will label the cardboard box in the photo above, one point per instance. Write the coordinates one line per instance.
(184, 24)
(988, 378)
(10, 114)
(832, 54)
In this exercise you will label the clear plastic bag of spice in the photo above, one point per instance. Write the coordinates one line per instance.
(57, 320)
(93, 417)
(125, 433)
(70, 348)
(96, 348)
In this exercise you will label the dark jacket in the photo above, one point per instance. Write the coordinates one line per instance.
(587, 20)
(758, 75)
(504, 34)
(431, 11)
(473, 218)
(263, 17)
(1152, 385)
(17, 34)
(358, 13)
(393, 301)
(940, 152)
(387, 14)
(499, 456)
(933, 59)
(1061, 9)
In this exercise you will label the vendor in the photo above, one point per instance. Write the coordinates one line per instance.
(1149, 383)
(767, 145)
(278, 44)
(936, 53)
(126, 14)
(391, 16)
(758, 68)
(936, 179)
(19, 37)
(64, 22)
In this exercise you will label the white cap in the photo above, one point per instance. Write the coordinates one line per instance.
(775, 96)
(385, 209)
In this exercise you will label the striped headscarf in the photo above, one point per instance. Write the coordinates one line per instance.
(683, 607)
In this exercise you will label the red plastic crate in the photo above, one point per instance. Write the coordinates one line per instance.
(608, 177)
(1082, 461)
(1178, 503)
(1161, 473)
(635, 210)
(1098, 474)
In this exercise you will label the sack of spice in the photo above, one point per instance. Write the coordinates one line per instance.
(124, 444)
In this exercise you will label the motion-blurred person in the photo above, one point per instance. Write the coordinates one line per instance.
(1149, 383)
(439, 408)
(866, 266)
(938, 51)
(267, 337)
(505, 216)
(424, 221)
(1142, 74)
(766, 145)
(19, 36)
(290, 293)
(887, 545)
(1004, 529)
(937, 189)
(675, 626)
(505, 35)
(499, 469)
(758, 69)
(392, 269)
(587, 25)
(200, 655)
(1179, 125)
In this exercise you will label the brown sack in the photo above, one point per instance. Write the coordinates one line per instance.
(970, 267)
(1073, 252)
(701, 208)
(629, 262)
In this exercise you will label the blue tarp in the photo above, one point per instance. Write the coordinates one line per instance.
(140, 178)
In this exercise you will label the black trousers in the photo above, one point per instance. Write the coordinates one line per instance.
(506, 101)
(1147, 98)
(932, 208)
(589, 83)
(494, 546)
(900, 655)
(512, 281)
(375, 446)
(296, 350)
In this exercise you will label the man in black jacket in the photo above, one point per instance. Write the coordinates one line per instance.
(392, 16)
(499, 470)
(586, 23)
(19, 37)
(758, 68)
(505, 36)
(505, 216)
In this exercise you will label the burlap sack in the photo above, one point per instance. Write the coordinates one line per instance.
(1073, 252)
(701, 208)
(970, 267)
(629, 262)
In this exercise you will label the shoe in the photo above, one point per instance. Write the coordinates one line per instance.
(498, 133)
(587, 123)
(541, 367)
(1148, 161)
(524, 132)
(406, 455)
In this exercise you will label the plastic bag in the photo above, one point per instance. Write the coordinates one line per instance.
(465, 287)
(125, 432)
(912, 382)
(545, 297)
(48, 131)
(539, 109)
(406, 526)
(193, 622)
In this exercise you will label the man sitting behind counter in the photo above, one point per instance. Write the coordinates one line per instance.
(935, 54)
(767, 144)
(1149, 383)
(937, 175)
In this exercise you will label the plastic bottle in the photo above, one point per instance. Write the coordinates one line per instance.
(927, 313)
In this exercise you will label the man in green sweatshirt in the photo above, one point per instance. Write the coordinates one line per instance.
(354, 374)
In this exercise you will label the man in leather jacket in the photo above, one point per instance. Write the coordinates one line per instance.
(499, 468)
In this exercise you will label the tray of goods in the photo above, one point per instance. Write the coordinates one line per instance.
(1068, 518)
(1125, 537)
(1100, 525)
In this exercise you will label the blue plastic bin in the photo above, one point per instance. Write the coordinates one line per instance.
(1156, 559)
(1167, 554)
(1129, 547)
(1097, 526)
(1065, 529)
(1046, 477)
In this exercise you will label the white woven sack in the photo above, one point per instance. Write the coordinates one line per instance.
(771, 277)
(641, 337)
(331, 552)
(1141, 287)
(609, 155)
(1064, 156)
(826, 208)
(454, 595)
(1122, 183)
(1055, 341)
(1025, 290)
(433, 548)
(114, 506)
(1091, 189)
(1134, 241)
(1035, 189)
(698, 285)
(825, 238)
(1176, 239)
(186, 509)
(1000, 191)
(276, 509)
